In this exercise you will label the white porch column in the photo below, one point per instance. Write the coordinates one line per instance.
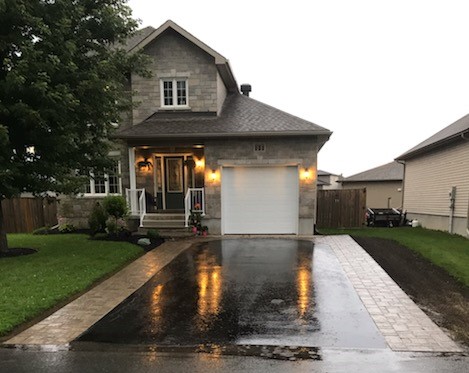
(133, 182)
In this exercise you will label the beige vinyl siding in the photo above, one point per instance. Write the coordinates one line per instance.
(429, 178)
(378, 192)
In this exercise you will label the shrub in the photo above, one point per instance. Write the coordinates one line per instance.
(116, 206)
(111, 225)
(153, 234)
(97, 219)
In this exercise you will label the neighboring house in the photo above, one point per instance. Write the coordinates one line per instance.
(383, 185)
(194, 142)
(326, 180)
(436, 183)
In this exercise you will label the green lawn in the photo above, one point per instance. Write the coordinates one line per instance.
(64, 265)
(448, 251)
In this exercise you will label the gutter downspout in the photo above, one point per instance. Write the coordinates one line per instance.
(452, 199)
(403, 183)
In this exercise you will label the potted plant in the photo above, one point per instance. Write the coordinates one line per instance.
(204, 231)
(195, 219)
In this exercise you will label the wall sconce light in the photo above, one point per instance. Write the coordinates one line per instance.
(145, 165)
(306, 174)
(213, 175)
(199, 163)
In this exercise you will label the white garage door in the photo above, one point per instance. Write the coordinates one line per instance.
(260, 200)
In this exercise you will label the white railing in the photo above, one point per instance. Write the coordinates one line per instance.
(142, 206)
(194, 202)
(137, 203)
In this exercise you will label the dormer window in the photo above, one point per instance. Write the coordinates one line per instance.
(174, 93)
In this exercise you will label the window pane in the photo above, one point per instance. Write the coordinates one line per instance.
(88, 187)
(114, 180)
(168, 93)
(181, 92)
(100, 184)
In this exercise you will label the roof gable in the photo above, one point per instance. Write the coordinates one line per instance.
(145, 36)
(170, 24)
(447, 134)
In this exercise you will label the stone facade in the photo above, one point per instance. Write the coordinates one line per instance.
(76, 210)
(301, 152)
(175, 57)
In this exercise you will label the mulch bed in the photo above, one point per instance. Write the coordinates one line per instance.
(154, 242)
(17, 251)
(444, 299)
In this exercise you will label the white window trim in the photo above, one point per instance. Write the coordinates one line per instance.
(175, 105)
(106, 184)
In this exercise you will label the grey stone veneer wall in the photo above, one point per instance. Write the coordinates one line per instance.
(286, 151)
(175, 57)
(76, 210)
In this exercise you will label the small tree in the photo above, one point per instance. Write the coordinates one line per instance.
(63, 73)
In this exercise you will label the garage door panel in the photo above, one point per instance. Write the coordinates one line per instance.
(260, 200)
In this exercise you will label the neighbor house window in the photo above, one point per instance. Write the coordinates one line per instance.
(174, 92)
(105, 183)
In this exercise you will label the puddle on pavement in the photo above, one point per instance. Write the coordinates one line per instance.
(244, 292)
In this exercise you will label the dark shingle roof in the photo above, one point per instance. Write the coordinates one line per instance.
(449, 133)
(388, 172)
(322, 182)
(137, 37)
(240, 116)
(325, 173)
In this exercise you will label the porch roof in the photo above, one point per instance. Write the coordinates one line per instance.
(241, 116)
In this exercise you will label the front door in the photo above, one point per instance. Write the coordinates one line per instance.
(174, 182)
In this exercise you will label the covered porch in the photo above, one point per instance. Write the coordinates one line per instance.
(166, 184)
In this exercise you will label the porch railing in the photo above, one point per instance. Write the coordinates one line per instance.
(194, 202)
(137, 203)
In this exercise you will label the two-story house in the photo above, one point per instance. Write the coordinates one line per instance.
(194, 142)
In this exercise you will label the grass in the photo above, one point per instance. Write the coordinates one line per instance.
(448, 251)
(64, 265)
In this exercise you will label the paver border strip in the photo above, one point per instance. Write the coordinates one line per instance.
(403, 324)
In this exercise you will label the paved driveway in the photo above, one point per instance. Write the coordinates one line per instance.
(330, 307)
(245, 292)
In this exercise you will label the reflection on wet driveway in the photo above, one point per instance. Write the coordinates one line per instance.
(244, 291)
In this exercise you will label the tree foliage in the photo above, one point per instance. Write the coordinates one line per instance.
(63, 76)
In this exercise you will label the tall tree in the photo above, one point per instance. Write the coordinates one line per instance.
(62, 85)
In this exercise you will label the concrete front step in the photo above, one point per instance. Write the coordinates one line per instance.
(164, 220)
(163, 224)
(156, 217)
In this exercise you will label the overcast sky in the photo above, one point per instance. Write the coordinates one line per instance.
(383, 75)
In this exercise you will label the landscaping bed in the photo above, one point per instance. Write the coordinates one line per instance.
(444, 299)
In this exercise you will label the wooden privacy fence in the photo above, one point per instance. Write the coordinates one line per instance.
(23, 215)
(343, 208)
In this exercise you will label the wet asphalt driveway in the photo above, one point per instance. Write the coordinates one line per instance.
(244, 292)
